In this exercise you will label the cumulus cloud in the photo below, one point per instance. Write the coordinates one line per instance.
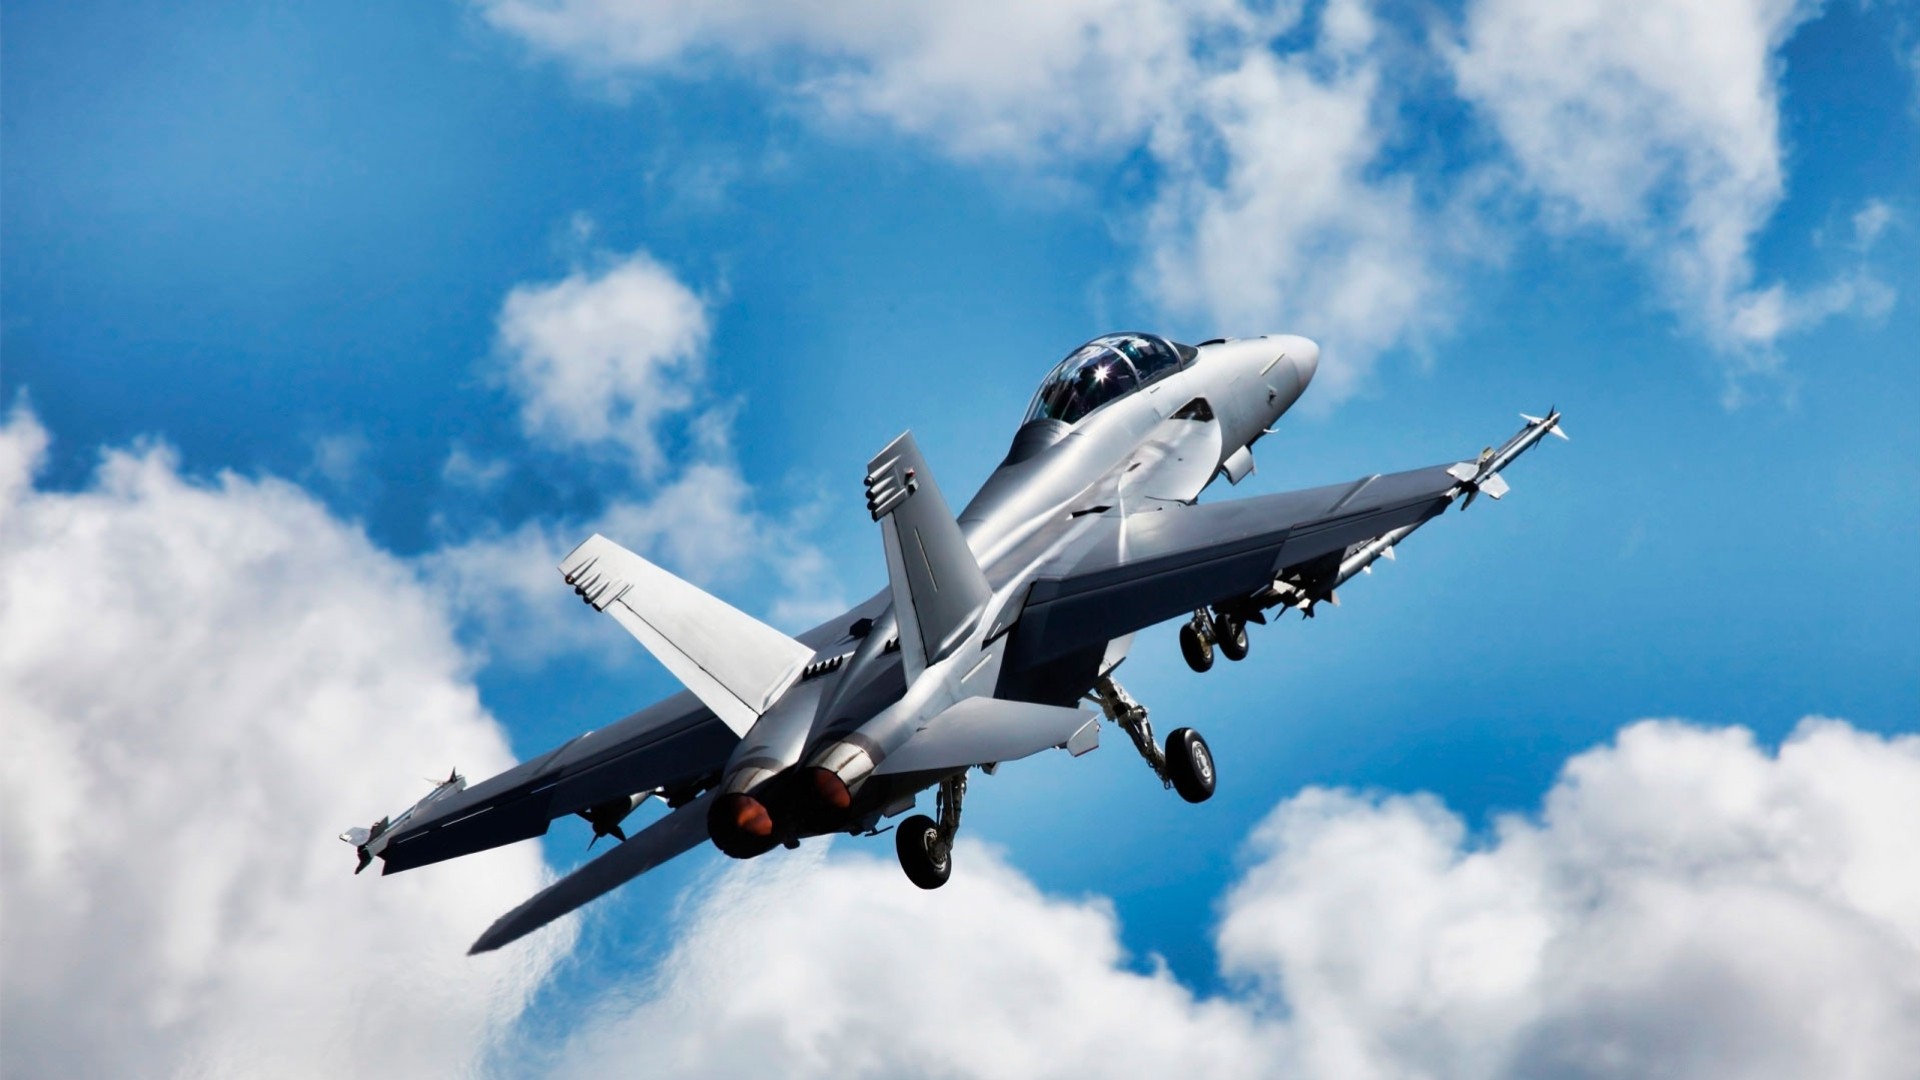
(1685, 903)
(1275, 206)
(202, 683)
(1658, 124)
(615, 357)
(599, 358)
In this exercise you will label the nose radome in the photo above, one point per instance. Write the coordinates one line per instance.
(1306, 360)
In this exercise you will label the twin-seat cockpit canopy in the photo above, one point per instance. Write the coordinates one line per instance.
(1103, 370)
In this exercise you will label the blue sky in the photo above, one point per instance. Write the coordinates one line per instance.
(284, 244)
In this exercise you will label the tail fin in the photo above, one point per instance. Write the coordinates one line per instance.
(938, 589)
(735, 664)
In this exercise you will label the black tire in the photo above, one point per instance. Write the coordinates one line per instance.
(1190, 765)
(925, 855)
(1233, 638)
(1197, 650)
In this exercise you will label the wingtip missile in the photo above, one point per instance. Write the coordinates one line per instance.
(1551, 420)
(370, 842)
(1483, 474)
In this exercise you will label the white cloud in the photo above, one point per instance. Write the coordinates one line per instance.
(616, 357)
(1274, 208)
(1659, 124)
(464, 470)
(988, 79)
(340, 459)
(1870, 222)
(1285, 224)
(202, 683)
(1278, 198)
(840, 968)
(599, 358)
(702, 525)
(1686, 904)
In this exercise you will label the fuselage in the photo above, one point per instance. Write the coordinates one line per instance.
(1088, 447)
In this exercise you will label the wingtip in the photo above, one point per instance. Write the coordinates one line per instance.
(495, 937)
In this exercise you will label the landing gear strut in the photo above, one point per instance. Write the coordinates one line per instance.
(1186, 765)
(925, 846)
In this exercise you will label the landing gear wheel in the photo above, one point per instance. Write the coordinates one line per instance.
(1197, 649)
(1189, 765)
(1233, 638)
(925, 852)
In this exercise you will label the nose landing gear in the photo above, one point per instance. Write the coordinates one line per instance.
(1190, 765)
(1186, 765)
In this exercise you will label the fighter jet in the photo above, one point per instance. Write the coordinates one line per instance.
(998, 629)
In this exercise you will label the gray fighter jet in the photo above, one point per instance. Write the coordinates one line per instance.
(996, 630)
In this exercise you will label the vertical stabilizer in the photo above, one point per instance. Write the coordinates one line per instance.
(938, 589)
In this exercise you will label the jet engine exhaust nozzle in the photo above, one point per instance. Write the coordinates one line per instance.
(829, 791)
(741, 826)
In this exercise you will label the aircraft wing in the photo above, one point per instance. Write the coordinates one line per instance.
(676, 746)
(676, 834)
(1128, 572)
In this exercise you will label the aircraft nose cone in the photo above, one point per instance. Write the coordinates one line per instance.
(1306, 361)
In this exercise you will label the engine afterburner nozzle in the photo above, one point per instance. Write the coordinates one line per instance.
(741, 826)
(826, 788)
(828, 791)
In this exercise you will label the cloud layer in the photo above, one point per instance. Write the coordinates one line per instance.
(1685, 904)
(202, 683)
(1274, 208)
(1283, 193)
(1659, 124)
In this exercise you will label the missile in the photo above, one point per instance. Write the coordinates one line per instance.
(1483, 473)
(1363, 559)
(369, 842)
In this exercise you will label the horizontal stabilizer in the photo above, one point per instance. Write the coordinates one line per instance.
(982, 730)
(676, 834)
(735, 664)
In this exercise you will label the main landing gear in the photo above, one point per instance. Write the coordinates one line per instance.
(1186, 765)
(1205, 631)
(925, 846)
